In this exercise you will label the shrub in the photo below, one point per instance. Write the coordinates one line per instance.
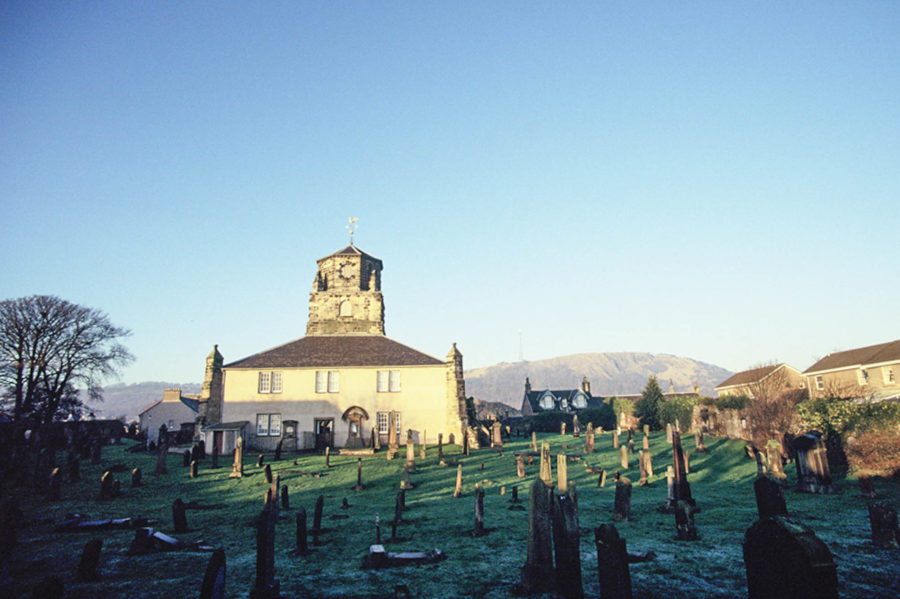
(732, 402)
(841, 417)
(603, 417)
(549, 421)
(646, 408)
(621, 406)
(875, 452)
(678, 408)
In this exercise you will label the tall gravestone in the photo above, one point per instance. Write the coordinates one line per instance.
(612, 563)
(769, 498)
(162, 448)
(813, 472)
(567, 547)
(537, 573)
(237, 466)
(87, 565)
(589, 438)
(786, 560)
(546, 474)
(213, 586)
(393, 446)
(622, 504)
(266, 585)
(479, 510)
(681, 487)
(410, 452)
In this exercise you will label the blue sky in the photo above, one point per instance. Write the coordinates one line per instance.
(712, 180)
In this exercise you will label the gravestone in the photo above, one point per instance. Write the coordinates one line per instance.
(317, 518)
(410, 452)
(259, 460)
(631, 446)
(136, 476)
(576, 428)
(601, 480)
(645, 443)
(646, 429)
(215, 456)
(440, 447)
(496, 434)
(687, 461)
(562, 473)
(213, 586)
(106, 486)
(162, 448)
(195, 466)
(813, 472)
(622, 505)
(393, 445)
(615, 438)
(773, 455)
(278, 449)
(649, 460)
(179, 516)
(266, 585)
(684, 521)
(268, 473)
(359, 484)
(623, 450)
(237, 466)
(466, 442)
(612, 563)
(458, 490)
(642, 463)
(769, 498)
(285, 498)
(566, 547)
(327, 457)
(302, 547)
(87, 565)
(589, 438)
(54, 485)
(699, 444)
(885, 533)
(562, 428)
(479, 511)
(537, 573)
(681, 487)
(520, 466)
(546, 474)
(186, 458)
(534, 445)
(784, 559)
(669, 433)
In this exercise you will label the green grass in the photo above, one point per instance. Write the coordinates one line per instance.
(721, 482)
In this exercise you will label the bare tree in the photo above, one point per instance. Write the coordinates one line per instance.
(772, 397)
(49, 347)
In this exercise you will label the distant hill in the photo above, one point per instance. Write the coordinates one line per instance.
(612, 373)
(128, 400)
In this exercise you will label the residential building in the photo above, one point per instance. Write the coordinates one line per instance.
(773, 377)
(175, 410)
(563, 400)
(871, 372)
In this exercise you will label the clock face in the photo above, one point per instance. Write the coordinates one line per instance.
(346, 271)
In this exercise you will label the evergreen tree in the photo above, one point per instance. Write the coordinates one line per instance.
(646, 409)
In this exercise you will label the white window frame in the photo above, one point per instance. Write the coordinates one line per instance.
(388, 381)
(887, 374)
(820, 382)
(547, 398)
(277, 381)
(321, 381)
(580, 399)
(383, 420)
(862, 377)
(394, 381)
(268, 425)
(265, 382)
(381, 383)
(334, 381)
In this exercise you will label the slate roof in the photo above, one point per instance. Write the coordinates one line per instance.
(562, 396)
(336, 351)
(872, 354)
(746, 377)
(351, 250)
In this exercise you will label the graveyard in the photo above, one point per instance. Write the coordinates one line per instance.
(358, 507)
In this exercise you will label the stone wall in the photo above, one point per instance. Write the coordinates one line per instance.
(733, 424)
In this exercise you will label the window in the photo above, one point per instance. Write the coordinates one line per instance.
(268, 425)
(328, 381)
(383, 420)
(388, 381)
(269, 382)
(547, 402)
(346, 309)
(887, 375)
(820, 383)
(580, 401)
(862, 376)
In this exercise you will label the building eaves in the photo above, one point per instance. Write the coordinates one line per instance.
(861, 356)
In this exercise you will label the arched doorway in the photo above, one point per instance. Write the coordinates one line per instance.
(354, 417)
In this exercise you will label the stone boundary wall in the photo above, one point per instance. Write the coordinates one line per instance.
(734, 424)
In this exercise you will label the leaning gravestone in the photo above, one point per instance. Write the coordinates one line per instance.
(681, 488)
(213, 586)
(537, 573)
(566, 547)
(87, 565)
(612, 563)
(54, 485)
(813, 473)
(622, 505)
(786, 560)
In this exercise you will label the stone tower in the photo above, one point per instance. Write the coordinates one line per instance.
(346, 297)
(456, 391)
(212, 394)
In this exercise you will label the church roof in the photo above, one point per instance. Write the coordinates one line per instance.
(351, 250)
(333, 351)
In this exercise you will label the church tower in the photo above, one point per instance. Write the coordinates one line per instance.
(346, 297)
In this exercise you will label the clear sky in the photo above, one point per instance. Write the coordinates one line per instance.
(716, 180)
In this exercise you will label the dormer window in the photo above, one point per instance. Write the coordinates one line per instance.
(580, 401)
(547, 402)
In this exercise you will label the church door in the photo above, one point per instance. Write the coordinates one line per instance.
(324, 428)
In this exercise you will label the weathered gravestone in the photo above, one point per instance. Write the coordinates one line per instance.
(669, 433)
(457, 491)
(195, 468)
(684, 521)
(479, 511)
(328, 457)
(623, 450)
(215, 456)
(278, 449)
(562, 473)
(612, 563)
(107, 490)
(813, 472)
(681, 489)
(496, 434)
(261, 457)
(769, 498)
(562, 428)
(786, 560)
(393, 446)
(576, 427)
(440, 448)
(179, 516)
(266, 585)
(622, 504)
(534, 445)
(645, 443)
(773, 457)
(90, 558)
(302, 547)
(566, 546)
(237, 465)
(359, 483)
(699, 444)
(537, 573)
(136, 477)
(186, 458)
(162, 449)
(885, 532)
(546, 473)
(268, 474)
(317, 518)
(589, 438)
(285, 498)
(54, 485)
(642, 463)
(615, 438)
(213, 586)
(410, 452)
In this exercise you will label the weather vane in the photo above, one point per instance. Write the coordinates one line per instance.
(352, 226)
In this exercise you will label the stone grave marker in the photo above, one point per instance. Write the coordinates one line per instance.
(410, 452)
(215, 456)
(54, 485)
(646, 429)
(631, 445)
(615, 438)
(622, 505)
(237, 467)
(769, 498)
(213, 586)
(562, 428)
(106, 486)
(186, 458)
(601, 480)
(162, 449)
(268, 473)
(645, 443)
(278, 449)
(179, 516)
(466, 442)
(496, 434)
(784, 559)
(612, 563)
(885, 532)
(699, 444)
(684, 521)
(302, 547)
(90, 558)
(458, 490)
(136, 477)
(317, 518)
(537, 573)
(562, 473)
(327, 456)
(195, 467)
(440, 447)
(566, 547)
(393, 445)
(813, 472)
(668, 433)
(479, 511)
(546, 474)
(589, 438)
(520, 466)
(266, 585)
(359, 483)
(623, 450)
(576, 427)
(681, 487)
(642, 464)
(259, 460)
(285, 498)
(534, 445)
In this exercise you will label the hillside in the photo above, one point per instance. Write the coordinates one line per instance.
(613, 373)
(127, 400)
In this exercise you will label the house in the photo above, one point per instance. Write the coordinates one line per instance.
(174, 410)
(563, 400)
(340, 382)
(871, 372)
(749, 383)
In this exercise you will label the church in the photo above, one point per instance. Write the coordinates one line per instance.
(338, 385)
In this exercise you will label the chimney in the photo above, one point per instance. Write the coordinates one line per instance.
(585, 385)
(527, 385)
